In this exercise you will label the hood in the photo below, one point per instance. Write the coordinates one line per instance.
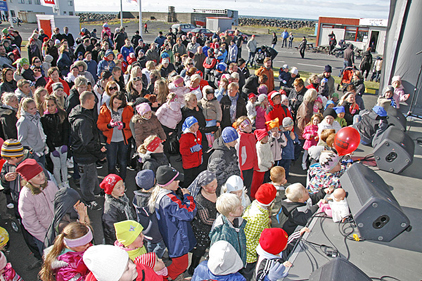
(109, 52)
(48, 58)
(80, 112)
(223, 259)
(79, 63)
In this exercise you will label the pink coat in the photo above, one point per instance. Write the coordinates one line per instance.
(399, 95)
(260, 117)
(169, 114)
(75, 267)
(307, 132)
(37, 211)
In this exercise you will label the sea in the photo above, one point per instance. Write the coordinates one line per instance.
(275, 18)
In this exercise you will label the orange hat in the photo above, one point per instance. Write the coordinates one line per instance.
(273, 123)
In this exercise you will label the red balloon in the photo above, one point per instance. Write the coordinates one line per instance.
(346, 140)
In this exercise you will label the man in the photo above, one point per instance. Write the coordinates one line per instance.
(57, 35)
(23, 90)
(83, 47)
(159, 40)
(135, 39)
(180, 32)
(153, 53)
(243, 68)
(302, 47)
(284, 36)
(332, 42)
(80, 86)
(119, 39)
(327, 74)
(192, 46)
(86, 146)
(4, 60)
(172, 35)
(251, 46)
(42, 35)
(179, 48)
(141, 46)
(233, 67)
(199, 59)
(348, 58)
(68, 36)
(239, 43)
(268, 71)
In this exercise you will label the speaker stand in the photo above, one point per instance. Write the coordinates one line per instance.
(415, 94)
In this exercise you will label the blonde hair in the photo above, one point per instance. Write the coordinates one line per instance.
(23, 106)
(195, 77)
(343, 99)
(240, 120)
(134, 71)
(235, 75)
(233, 84)
(6, 97)
(150, 65)
(294, 192)
(277, 173)
(41, 106)
(316, 115)
(154, 195)
(161, 90)
(227, 203)
(313, 79)
(189, 96)
(310, 95)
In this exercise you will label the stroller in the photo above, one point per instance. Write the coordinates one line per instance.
(346, 77)
(263, 52)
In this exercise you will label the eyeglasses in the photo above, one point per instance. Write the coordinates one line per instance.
(112, 88)
(190, 63)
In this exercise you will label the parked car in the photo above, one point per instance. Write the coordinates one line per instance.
(230, 32)
(207, 32)
(186, 27)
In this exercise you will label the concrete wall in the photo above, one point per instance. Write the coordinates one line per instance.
(181, 17)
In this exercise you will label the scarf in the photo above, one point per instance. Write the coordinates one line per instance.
(36, 120)
(133, 254)
(122, 204)
(233, 107)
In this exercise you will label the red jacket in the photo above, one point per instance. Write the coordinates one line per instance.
(50, 83)
(190, 159)
(246, 151)
(274, 111)
(104, 119)
(144, 273)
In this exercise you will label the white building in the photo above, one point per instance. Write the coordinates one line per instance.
(27, 9)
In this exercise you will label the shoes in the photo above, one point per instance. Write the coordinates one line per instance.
(69, 163)
(35, 265)
(304, 166)
(94, 206)
(10, 206)
(130, 168)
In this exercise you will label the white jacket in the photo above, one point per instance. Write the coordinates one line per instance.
(265, 156)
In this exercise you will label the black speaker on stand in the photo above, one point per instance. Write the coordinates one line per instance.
(338, 269)
(396, 118)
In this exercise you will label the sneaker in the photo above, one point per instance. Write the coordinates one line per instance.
(130, 168)
(10, 206)
(94, 206)
(304, 166)
(69, 163)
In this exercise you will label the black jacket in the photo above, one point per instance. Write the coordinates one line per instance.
(85, 136)
(144, 217)
(251, 85)
(298, 96)
(57, 133)
(71, 101)
(8, 87)
(8, 122)
(370, 126)
(225, 108)
(155, 160)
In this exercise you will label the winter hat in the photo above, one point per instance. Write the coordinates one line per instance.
(233, 183)
(152, 146)
(143, 108)
(105, 25)
(224, 259)
(166, 175)
(3, 261)
(396, 78)
(189, 122)
(229, 134)
(335, 95)
(339, 109)
(273, 94)
(262, 97)
(127, 231)
(273, 124)
(328, 103)
(263, 89)
(284, 97)
(241, 61)
(29, 169)
(56, 42)
(207, 90)
(273, 240)
(221, 66)
(109, 52)
(260, 134)
(56, 86)
(251, 95)
(12, 148)
(145, 179)
(109, 182)
(285, 66)
(380, 111)
(388, 88)
(4, 237)
(287, 122)
(165, 55)
(330, 112)
(328, 160)
(148, 259)
(266, 194)
(328, 68)
(106, 262)
(294, 71)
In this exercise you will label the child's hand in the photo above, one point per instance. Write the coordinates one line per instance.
(185, 191)
(323, 201)
(303, 230)
(287, 264)
(329, 190)
(11, 176)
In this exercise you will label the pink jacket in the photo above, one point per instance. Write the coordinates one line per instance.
(180, 92)
(399, 95)
(37, 211)
(169, 114)
(307, 132)
(9, 274)
(75, 267)
(260, 117)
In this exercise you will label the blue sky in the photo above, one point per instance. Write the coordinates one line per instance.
(310, 9)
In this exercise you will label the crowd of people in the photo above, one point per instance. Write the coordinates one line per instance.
(117, 101)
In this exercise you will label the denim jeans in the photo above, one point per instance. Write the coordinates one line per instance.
(117, 151)
(89, 181)
(250, 58)
(158, 248)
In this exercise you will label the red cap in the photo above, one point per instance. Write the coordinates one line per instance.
(29, 169)
(260, 134)
(109, 182)
(251, 95)
(266, 193)
(283, 92)
(273, 240)
(152, 146)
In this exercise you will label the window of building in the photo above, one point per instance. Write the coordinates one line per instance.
(64, 13)
(362, 34)
(29, 1)
(12, 13)
(21, 1)
(70, 13)
(37, 2)
(70, 3)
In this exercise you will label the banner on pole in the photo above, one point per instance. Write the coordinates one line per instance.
(48, 3)
(3, 6)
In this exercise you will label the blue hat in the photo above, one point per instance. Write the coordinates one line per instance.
(145, 179)
(328, 103)
(108, 52)
(165, 55)
(221, 66)
(188, 123)
(379, 110)
(339, 109)
(229, 134)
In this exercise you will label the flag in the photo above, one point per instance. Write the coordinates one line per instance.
(130, 1)
(48, 3)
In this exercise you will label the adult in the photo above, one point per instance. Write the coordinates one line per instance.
(91, 65)
(33, 49)
(57, 35)
(82, 48)
(232, 106)
(348, 57)
(8, 118)
(296, 95)
(24, 89)
(54, 75)
(8, 84)
(233, 50)
(276, 109)
(82, 71)
(179, 48)
(267, 70)
(332, 42)
(153, 54)
(86, 146)
(159, 40)
(126, 49)
(274, 40)
(199, 59)
(73, 100)
(302, 47)
(251, 46)
(284, 36)
(330, 80)
(5, 61)
(366, 63)
(305, 111)
(52, 50)
(252, 83)
(64, 62)
(329, 121)
(371, 125)
(68, 36)
(192, 46)
(351, 108)
(119, 39)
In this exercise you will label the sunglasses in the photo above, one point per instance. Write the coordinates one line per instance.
(37, 70)
(112, 88)
(137, 78)
(37, 61)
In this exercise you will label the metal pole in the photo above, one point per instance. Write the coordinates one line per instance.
(140, 18)
(121, 14)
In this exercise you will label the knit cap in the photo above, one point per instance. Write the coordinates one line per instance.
(396, 78)
(233, 183)
(339, 109)
(224, 259)
(330, 112)
(266, 194)
(143, 108)
(12, 148)
(148, 259)
(273, 240)
(273, 94)
(229, 134)
(127, 231)
(287, 122)
(189, 122)
(106, 262)
(145, 179)
(260, 134)
(294, 71)
(262, 97)
(109, 182)
(263, 89)
(28, 169)
(166, 175)
(4, 237)
(328, 160)
(56, 86)
(389, 88)
(273, 124)
(328, 68)
(328, 103)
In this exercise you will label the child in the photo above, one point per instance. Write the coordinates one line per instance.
(116, 206)
(234, 185)
(169, 114)
(30, 131)
(288, 152)
(388, 97)
(284, 75)
(278, 179)
(178, 87)
(272, 243)
(130, 238)
(317, 106)
(212, 111)
(337, 206)
(64, 259)
(265, 160)
(151, 154)
(329, 104)
(59, 94)
(310, 134)
(174, 215)
(222, 88)
(145, 180)
(7, 272)
(277, 140)
(229, 225)
(250, 108)
(223, 264)
(4, 238)
(257, 216)
(335, 98)
(151, 260)
(246, 150)
(191, 149)
(261, 109)
(145, 124)
(340, 116)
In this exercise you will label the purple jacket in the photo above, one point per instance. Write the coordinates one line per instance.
(75, 268)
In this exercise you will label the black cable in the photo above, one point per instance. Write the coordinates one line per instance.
(323, 231)
(382, 278)
(322, 248)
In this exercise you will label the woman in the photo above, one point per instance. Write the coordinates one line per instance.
(203, 189)
(111, 88)
(54, 75)
(64, 62)
(33, 49)
(161, 90)
(274, 40)
(134, 89)
(8, 84)
(113, 121)
(39, 97)
(149, 67)
(305, 111)
(36, 62)
(188, 63)
(351, 108)
(57, 127)
(145, 124)
(313, 81)
(51, 50)
(8, 118)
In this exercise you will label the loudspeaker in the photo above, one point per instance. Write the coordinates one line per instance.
(376, 212)
(396, 118)
(339, 269)
(394, 150)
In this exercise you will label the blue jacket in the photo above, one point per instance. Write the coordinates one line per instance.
(125, 51)
(92, 68)
(174, 217)
(223, 57)
(285, 35)
(203, 273)
(105, 65)
(64, 62)
(283, 76)
(160, 40)
(222, 229)
(289, 150)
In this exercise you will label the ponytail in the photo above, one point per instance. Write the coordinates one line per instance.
(153, 198)
(47, 272)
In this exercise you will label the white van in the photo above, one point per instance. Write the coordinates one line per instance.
(186, 27)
